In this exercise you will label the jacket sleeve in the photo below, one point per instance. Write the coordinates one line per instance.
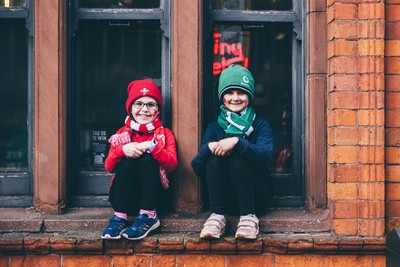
(166, 156)
(200, 160)
(259, 152)
(115, 155)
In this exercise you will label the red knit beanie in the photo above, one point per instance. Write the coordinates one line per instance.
(140, 88)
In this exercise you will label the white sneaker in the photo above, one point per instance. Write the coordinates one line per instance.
(247, 227)
(214, 227)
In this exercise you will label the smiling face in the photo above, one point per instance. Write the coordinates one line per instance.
(144, 115)
(235, 100)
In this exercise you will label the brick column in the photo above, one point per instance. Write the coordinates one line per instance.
(50, 105)
(355, 107)
(392, 80)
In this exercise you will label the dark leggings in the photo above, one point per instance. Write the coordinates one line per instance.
(235, 178)
(136, 185)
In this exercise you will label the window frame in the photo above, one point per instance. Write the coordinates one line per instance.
(18, 184)
(89, 180)
(297, 17)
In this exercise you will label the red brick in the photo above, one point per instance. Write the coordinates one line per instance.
(300, 243)
(392, 13)
(393, 100)
(62, 244)
(265, 260)
(393, 137)
(371, 82)
(37, 244)
(342, 191)
(350, 244)
(393, 155)
(131, 260)
(392, 82)
(85, 260)
(371, 64)
(345, 227)
(343, 136)
(371, 100)
(393, 208)
(342, 65)
(393, 173)
(343, 173)
(226, 245)
(11, 244)
(392, 48)
(342, 30)
(393, 191)
(197, 245)
(372, 227)
(163, 260)
(372, 136)
(200, 260)
(299, 260)
(372, 173)
(379, 260)
(277, 243)
(36, 260)
(118, 247)
(4, 260)
(254, 246)
(326, 244)
(146, 245)
(392, 30)
(392, 65)
(348, 260)
(371, 210)
(372, 154)
(371, 117)
(343, 100)
(371, 11)
(342, 117)
(342, 154)
(371, 29)
(346, 210)
(371, 47)
(340, 47)
(171, 245)
(342, 82)
(392, 118)
(345, 11)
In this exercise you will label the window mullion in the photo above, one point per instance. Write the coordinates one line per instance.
(137, 14)
(254, 16)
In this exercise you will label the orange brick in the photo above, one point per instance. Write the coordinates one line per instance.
(342, 65)
(392, 47)
(163, 260)
(345, 227)
(343, 136)
(203, 260)
(372, 136)
(342, 154)
(372, 173)
(379, 260)
(371, 117)
(393, 155)
(393, 137)
(371, 29)
(345, 11)
(392, 65)
(341, 47)
(346, 210)
(248, 260)
(343, 173)
(84, 260)
(392, 82)
(343, 100)
(393, 208)
(393, 100)
(392, 30)
(392, 118)
(371, 100)
(34, 260)
(342, 191)
(131, 260)
(349, 260)
(392, 13)
(342, 82)
(372, 191)
(371, 11)
(372, 227)
(342, 30)
(342, 117)
(371, 64)
(371, 82)
(299, 260)
(393, 173)
(371, 47)
(372, 154)
(392, 191)
(371, 210)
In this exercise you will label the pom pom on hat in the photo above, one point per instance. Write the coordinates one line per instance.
(140, 88)
(236, 77)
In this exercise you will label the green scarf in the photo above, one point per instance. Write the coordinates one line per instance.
(236, 124)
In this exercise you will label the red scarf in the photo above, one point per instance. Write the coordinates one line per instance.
(125, 137)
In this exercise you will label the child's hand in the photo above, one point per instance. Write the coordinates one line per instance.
(224, 147)
(133, 149)
(144, 146)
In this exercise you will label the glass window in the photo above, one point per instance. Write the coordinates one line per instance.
(253, 4)
(119, 3)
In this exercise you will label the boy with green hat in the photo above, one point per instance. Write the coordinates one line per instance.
(234, 155)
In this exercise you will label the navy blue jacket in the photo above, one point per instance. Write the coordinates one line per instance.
(257, 147)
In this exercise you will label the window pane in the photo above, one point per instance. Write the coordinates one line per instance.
(111, 55)
(11, 3)
(119, 3)
(253, 4)
(13, 94)
(266, 50)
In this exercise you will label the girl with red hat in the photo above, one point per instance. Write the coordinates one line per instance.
(141, 153)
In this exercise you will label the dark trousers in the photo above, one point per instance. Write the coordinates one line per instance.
(234, 179)
(136, 185)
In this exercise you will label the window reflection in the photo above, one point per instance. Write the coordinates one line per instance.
(253, 4)
(13, 94)
(265, 49)
(12, 3)
(111, 55)
(119, 3)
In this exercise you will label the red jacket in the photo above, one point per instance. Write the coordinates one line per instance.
(165, 155)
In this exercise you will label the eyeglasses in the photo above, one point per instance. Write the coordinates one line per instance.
(140, 105)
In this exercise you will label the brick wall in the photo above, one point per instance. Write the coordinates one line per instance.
(355, 111)
(392, 103)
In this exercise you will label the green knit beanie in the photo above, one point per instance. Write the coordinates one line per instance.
(236, 77)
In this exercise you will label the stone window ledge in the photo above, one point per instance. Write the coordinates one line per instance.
(78, 231)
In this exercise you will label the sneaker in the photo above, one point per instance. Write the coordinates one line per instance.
(141, 227)
(115, 227)
(214, 227)
(247, 227)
